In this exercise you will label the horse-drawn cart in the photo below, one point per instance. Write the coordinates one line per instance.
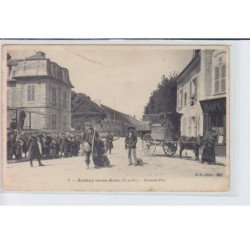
(165, 135)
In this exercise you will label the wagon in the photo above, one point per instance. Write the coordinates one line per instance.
(165, 135)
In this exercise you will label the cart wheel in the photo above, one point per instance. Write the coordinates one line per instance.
(169, 148)
(148, 145)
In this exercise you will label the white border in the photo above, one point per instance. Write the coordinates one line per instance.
(237, 64)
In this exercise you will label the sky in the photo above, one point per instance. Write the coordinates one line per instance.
(119, 76)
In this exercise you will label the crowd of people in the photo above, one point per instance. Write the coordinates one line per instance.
(50, 146)
(39, 146)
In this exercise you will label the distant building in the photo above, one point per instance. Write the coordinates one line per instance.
(116, 122)
(201, 94)
(86, 112)
(101, 117)
(42, 89)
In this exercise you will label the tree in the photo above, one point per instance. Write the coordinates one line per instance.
(163, 98)
(84, 110)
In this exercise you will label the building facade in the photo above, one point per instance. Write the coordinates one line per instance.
(116, 122)
(201, 94)
(42, 89)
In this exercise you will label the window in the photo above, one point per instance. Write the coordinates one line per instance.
(31, 93)
(65, 99)
(193, 126)
(180, 99)
(8, 97)
(189, 126)
(193, 91)
(223, 78)
(220, 79)
(53, 121)
(185, 98)
(65, 123)
(53, 93)
(184, 126)
(59, 98)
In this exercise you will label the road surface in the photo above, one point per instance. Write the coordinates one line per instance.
(158, 173)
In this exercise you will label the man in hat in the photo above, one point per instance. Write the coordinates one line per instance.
(109, 142)
(89, 143)
(22, 116)
(130, 145)
(13, 123)
(34, 151)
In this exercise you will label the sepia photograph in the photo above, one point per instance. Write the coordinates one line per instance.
(115, 118)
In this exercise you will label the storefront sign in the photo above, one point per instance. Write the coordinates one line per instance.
(215, 105)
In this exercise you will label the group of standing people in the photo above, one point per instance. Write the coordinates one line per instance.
(38, 146)
(50, 147)
(44, 146)
(95, 147)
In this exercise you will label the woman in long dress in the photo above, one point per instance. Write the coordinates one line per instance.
(209, 140)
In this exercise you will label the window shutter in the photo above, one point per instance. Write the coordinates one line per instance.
(29, 93)
(33, 93)
(223, 71)
(217, 73)
(217, 86)
(223, 85)
(223, 78)
(195, 87)
(217, 80)
(184, 127)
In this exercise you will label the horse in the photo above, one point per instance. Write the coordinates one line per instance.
(191, 143)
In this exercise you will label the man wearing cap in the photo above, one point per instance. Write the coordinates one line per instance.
(130, 145)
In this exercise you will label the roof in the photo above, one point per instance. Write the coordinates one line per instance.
(117, 115)
(37, 56)
(191, 65)
(12, 62)
(38, 66)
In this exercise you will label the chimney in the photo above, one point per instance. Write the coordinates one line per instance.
(196, 52)
(8, 56)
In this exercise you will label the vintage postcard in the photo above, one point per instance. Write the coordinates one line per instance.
(115, 118)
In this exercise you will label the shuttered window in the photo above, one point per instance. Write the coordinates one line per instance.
(223, 78)
(220, 79)
(53, 122)
(185, 99)
(31, 93)
(8, 97)
(65, 99)
(184, 126)
(181, 96)
(53, 93)
(217, 80)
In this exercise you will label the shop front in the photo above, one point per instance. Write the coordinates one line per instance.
(214, 113)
